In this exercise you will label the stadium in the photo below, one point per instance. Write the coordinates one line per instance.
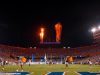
(50, 38)
(49, 59)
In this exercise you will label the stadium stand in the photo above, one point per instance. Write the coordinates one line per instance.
(91, 52)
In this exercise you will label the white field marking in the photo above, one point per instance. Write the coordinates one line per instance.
(77, 73)
(95, 72)
(48, 73)
(51, 72)
(64, 73)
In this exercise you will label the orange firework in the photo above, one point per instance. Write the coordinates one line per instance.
(41, 35)
(58, 28)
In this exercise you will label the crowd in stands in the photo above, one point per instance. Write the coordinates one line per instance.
(94, 60)
(92, 53)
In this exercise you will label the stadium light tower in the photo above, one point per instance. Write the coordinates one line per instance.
(96, 34)
(68, 47)
(93, 30)
(99, 27)
(64, 47)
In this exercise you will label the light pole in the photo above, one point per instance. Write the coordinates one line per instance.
(93, 30)
(96, 34)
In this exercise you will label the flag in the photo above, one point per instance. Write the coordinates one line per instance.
(33, 57)
(45, 57)
(42, 58)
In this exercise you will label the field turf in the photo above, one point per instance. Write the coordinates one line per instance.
(42, 69)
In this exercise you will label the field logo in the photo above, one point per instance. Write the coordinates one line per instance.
(14, 73)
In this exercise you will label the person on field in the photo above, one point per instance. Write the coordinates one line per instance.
(3, 63)
(90, 62)
(66, 62)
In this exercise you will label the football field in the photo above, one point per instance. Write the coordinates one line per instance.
(43, 69)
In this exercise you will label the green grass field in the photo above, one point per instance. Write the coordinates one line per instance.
(42, 69)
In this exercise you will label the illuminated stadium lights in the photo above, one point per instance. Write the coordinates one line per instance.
(93, 30)
(34, 47)
(64, 47)
(68, 47)
(30, 47)
(98, 27)
(96, 34)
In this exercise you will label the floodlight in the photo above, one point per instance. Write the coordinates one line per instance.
(93, 30)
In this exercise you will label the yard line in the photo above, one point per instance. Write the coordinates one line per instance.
(77, 73)
(64, 73)
(48, 73)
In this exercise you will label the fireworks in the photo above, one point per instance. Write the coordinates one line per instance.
(41, 35)
(58, 29)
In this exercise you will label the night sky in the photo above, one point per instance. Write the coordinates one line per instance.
(20, 23)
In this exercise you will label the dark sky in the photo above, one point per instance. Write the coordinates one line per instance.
(20, 23)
